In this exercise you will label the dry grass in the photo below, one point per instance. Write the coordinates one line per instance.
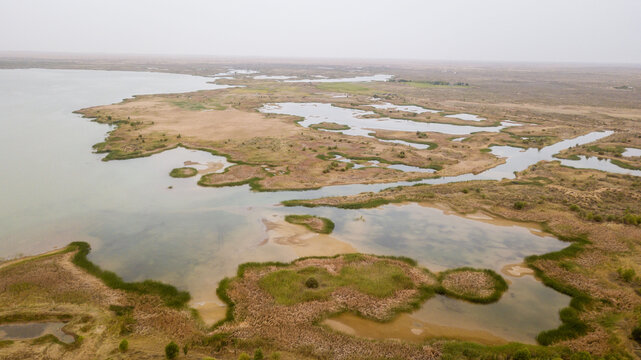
(292, 326)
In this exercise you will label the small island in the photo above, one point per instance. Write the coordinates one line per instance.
(329, 126)
(316, 224)
(183, 172)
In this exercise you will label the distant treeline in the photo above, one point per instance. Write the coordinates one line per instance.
(438, 82)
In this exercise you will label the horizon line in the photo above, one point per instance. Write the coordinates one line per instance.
(64, 55)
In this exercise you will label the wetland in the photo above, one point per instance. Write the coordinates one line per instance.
(187, 186)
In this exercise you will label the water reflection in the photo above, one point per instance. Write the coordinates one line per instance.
(407, 108)
(377, 77)
(518, 316)
(598, 164)
(34, 330)
(360, 125)
(376, 163)
(468, 117)
(631, 152)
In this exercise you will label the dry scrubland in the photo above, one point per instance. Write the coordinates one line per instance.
(597, 213)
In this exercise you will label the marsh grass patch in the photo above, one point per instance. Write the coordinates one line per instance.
(183, 172)
(475, 285)
(316, 224)
(379, 279)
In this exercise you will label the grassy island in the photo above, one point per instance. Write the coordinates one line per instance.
(317, 224)
(329, 126)
(183, 172)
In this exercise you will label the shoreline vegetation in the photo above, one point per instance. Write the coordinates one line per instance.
(170, 295)
(329, 126)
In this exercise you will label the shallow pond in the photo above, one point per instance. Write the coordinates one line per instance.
(273, 77)
(598, 164)
(232, 72)
(361, 125)
(407, 108)
(21, 331)
(631, 152)
(142, 223)
(517, 317)
(376, 163)
(377, 77)
(468, 117)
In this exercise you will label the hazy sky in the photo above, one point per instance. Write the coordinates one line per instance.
(521, 30)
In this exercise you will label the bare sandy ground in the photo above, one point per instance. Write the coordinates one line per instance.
(211, 166)
(211, 125)
(517, 270)
(303, 241)
(405, 327)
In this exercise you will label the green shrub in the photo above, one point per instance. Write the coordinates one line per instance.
(185, 349)
(519, 205)
(582, 355)
(258, 354)
(244, 356)
(275, 356)
(522, 354)
(627, 274)
(124, 345)
(311, 283)
(571, 327)
(636, 334)
(172, 350)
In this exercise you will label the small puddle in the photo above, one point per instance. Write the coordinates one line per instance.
(34, 330)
